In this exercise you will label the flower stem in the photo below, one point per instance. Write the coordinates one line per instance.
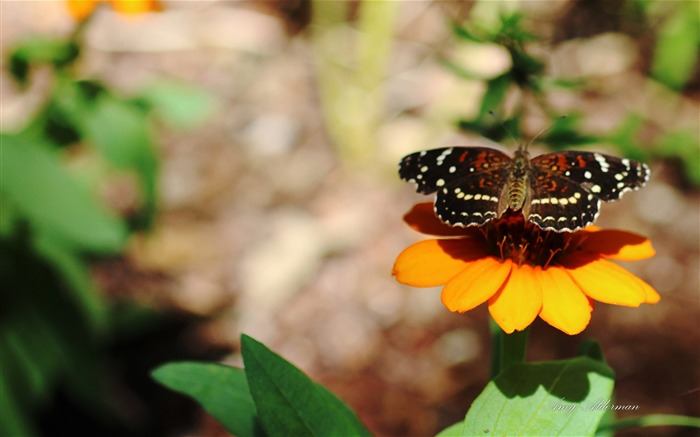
(508, 349)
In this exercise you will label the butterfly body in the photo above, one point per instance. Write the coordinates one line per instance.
(518, 180)
(560, 191)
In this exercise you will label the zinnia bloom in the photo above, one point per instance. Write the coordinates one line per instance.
(524, 272)
(81, 9)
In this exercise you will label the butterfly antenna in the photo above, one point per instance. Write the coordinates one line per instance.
(543, 131)
(503, 126)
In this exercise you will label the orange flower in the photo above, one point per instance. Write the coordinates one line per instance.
(81, 9)
(524, 272)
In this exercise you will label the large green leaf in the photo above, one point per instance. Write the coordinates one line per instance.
(289, 403)
(33, 180)
(44, 339)
(549, 398)
(221, 390)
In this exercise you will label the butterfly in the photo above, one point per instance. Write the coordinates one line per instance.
(559, 191)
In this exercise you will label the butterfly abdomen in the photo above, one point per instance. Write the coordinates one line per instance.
(518, 183)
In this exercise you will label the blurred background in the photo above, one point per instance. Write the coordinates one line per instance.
(175, 174)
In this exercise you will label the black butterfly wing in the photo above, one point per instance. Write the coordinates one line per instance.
(468, 181)
(566, 188)
(558, 204)
(432, 169)
(473, 200)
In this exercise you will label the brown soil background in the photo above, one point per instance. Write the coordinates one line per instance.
(265, 229)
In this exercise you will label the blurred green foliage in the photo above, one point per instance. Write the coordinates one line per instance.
(54, 324)
(675, 27)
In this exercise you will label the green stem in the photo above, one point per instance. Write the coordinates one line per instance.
(508, 349)
(652, 420)
(351, 69)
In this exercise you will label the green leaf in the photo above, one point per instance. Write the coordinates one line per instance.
(40, 50)
(591, 349)
(13, 420)
(495, 92)
(456, 430)
(604, 429)
(221, 390)
(180, 105)
(77, 278)
(288, 402)
(676, 51)
(35, 183)
(120, 131)
(565, 133)
(464, 33)
(625, 136)
(682, 145)
(44, 333)
(548, 398)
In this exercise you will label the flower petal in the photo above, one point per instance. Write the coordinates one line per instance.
(80, 9)
(136, 7)
(564, 305)
(605, 281)
(475, 284)
(651, 295)
(430, 263)
(619, 245)
(518, 302)
(422, 218)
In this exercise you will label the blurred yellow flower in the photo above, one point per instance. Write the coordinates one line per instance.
(524, 272)
(81, 9)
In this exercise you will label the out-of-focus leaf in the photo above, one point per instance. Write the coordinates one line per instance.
(129, 320)
(180, 105)
(78, 280)
(526, 69)
(560, 82)
(648, 421)
(34, 181)
(461, 71)
(13, 420)
(120, 131)
(463, 33)
(603, 427)
(625, 137)
(565, 133)
(682, 145)
(24, 362)
(43, 336)
(512, 29)
(591, 349)
(288, 402)
(676, 51)
(496, 89)
(40, 50)
(548, 398)
(494, 128)
(221, 390)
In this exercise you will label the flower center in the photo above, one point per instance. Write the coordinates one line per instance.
(511, 237)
